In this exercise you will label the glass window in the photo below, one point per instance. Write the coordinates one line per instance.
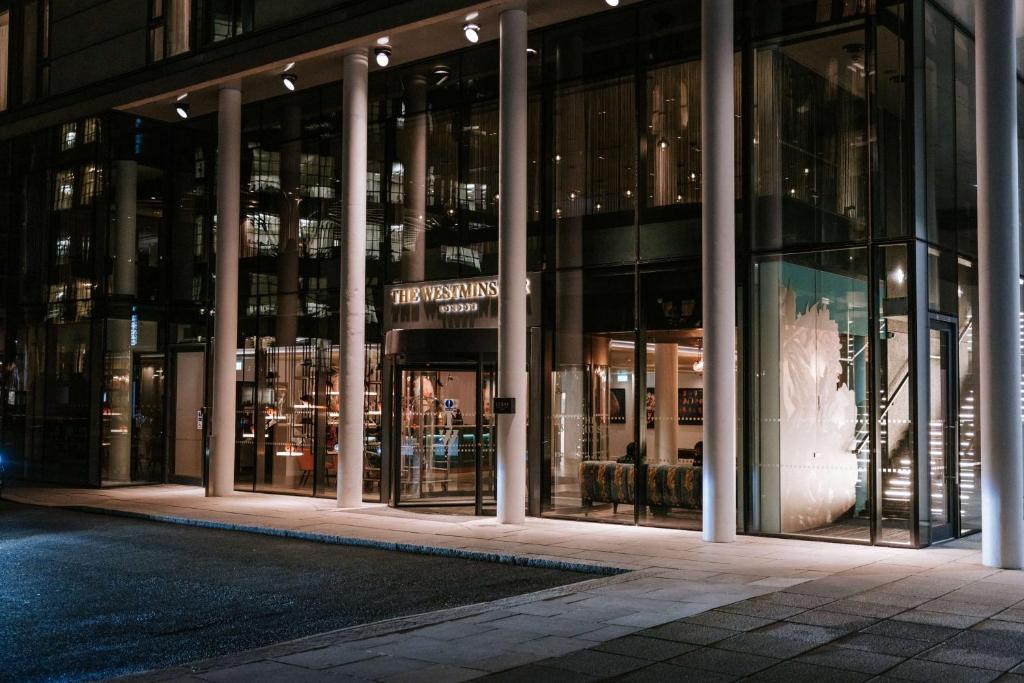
(5, 33)
(594, 171)
(894, 433)
(969, 452)
(810, 150)
(891, 128)
(594, 397)
(812, 439)
(940, 122)
(966, 152)
(227, 18)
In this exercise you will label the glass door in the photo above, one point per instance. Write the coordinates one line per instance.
(444, 446)
(942, 432)
(148, 417)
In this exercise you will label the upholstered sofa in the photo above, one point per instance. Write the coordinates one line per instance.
(666, 486)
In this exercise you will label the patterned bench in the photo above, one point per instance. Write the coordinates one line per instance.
(667, 486)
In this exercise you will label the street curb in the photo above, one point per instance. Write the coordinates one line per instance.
(459, 553)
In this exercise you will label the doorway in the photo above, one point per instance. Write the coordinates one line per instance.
(943, 483)
(444, 448)
(188, 416)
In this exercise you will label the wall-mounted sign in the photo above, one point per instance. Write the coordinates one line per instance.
(466, 303)
(460, 296)
(504, 406)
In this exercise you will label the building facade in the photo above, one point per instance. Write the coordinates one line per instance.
(358, 155)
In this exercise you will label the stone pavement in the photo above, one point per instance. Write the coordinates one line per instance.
(775, 609)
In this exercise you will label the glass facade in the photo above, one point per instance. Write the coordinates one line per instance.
(856, 280)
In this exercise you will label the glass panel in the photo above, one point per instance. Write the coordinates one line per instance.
(292, 396)
(809, 142)
(594, 398)
(5, 32)
(594, 169)
(811, 363)
(674, 456)
(133, 393)
(938, 427)
(148, 417)
(891, 127)
(156, 43)
(178, 23)
(438, 435)
(969, 452)
(940, 129)
(894, 433)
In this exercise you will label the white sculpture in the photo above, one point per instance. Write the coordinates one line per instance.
(818, 414)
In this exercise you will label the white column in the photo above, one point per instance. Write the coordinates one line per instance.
(225, 332)
(414, 242)
(666, 403)
(119, 330)
(351, 351)
(1002, 468)
(512, 379)
(719, 270)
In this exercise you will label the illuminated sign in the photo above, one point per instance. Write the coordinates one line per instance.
(453, 304)
(460, 296)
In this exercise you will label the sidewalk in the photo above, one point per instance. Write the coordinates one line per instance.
(660, 577)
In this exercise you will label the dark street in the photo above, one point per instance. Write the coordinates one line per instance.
(89, 596)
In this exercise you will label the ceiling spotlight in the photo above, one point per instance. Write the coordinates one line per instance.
(181, 109)
(289, 66)
(181, 97)
(383, 40)
(612, 3)
(662, 143)
(472, 32)
(382, 55)
(288, 81)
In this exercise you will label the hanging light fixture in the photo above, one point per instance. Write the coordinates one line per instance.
(382, 55)
(288, 81)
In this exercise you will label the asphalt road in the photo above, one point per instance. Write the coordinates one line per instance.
(87, 596)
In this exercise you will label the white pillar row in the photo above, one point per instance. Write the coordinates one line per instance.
(1002, 468)
(719, 270)
(414, 241)
(512, 164)
(352, 339)
(666, 403)
(126, 181)
(221, 480)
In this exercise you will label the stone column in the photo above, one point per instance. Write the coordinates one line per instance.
(666, 404)
(512, 379)
(1002, 469)
(221, 480)
(719, 270)
(352, 341)
(414, 241)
